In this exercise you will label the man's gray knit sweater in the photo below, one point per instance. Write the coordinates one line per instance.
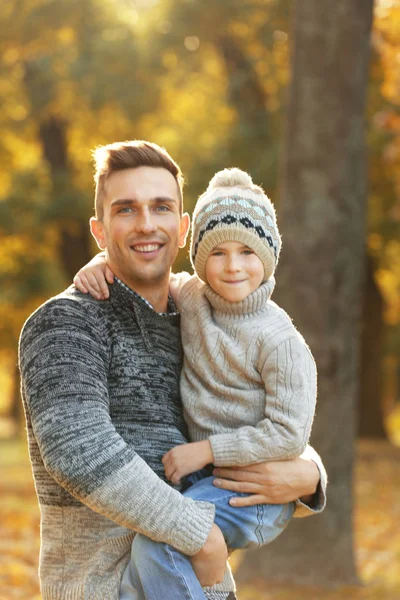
(100, 385)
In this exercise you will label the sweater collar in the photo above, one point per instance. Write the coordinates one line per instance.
(123, 294)
(254, 303)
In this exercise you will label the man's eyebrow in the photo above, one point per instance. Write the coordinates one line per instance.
(157, 200)
(122, 201)
(160, 199)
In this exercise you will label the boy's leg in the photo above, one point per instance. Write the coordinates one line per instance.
(158, 571)
(127, 590)
(244, 527)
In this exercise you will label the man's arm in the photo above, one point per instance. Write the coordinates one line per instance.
(64, 368)
(314, 501)
(302, 479)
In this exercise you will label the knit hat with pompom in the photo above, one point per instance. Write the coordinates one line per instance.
(234, 209)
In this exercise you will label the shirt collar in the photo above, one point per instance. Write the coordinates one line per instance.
(171, 309)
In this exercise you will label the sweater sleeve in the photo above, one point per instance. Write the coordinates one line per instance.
(176, 283)
(64, 368)
(318, 501)
(289, 375)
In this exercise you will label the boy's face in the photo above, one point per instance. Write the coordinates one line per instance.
(142, 229)
(234, 271)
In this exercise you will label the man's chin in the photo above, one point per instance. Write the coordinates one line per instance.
(146, 277)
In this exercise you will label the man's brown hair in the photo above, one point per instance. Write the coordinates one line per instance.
(130, 155)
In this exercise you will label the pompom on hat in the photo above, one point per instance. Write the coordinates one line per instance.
(234, 209)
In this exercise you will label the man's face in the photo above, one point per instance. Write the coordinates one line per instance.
(142, 229)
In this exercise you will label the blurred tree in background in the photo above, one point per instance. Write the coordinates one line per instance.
(320, 275)
(209, 81)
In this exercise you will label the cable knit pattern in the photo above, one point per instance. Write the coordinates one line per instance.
(249, 379)
(100, 385)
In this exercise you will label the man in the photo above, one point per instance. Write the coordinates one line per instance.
(100, 384)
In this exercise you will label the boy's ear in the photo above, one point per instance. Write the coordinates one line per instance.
(97, 231)
(183, 229)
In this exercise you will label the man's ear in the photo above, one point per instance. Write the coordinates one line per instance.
(97, 231)
(183, 229)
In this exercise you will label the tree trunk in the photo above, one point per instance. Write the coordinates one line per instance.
(74, 248)
(67, 206)
(370, 419)
(249, 142)
(319, 278)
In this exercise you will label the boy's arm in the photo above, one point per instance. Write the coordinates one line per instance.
(64, 368)
(289, 374)
(93, 277)
(176, 283)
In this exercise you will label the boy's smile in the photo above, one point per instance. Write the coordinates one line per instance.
(234, 271)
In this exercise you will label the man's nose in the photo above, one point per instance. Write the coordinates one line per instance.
(145, 222)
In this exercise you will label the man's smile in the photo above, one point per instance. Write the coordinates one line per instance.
(148, 247)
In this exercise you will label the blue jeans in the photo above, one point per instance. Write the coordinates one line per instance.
(158, 571)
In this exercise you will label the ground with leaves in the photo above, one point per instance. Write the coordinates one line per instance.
(377, 525)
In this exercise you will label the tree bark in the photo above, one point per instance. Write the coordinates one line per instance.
(370, 418)
(74, 247)
(319, 278)
(249, 139)
(66, 208)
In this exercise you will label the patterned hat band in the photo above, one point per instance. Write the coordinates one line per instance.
(239, 222)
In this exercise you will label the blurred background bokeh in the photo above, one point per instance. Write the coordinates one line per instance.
(275, 87)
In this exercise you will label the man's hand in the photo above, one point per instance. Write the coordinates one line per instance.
(210, 563)
(185, 459)
(275, 482)
(93, 277)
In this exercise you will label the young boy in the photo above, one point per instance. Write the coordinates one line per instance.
(248, 382)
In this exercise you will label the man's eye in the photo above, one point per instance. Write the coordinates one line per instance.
(125, 209)
(163, 207)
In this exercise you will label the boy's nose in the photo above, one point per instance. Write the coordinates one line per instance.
(232, 265)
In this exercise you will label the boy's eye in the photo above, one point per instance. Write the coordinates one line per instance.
(247, 252)
(217, 253)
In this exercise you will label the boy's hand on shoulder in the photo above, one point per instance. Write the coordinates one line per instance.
(185, 459)
(93, 277)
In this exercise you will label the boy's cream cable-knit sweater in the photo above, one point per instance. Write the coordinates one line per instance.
(249, 380)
